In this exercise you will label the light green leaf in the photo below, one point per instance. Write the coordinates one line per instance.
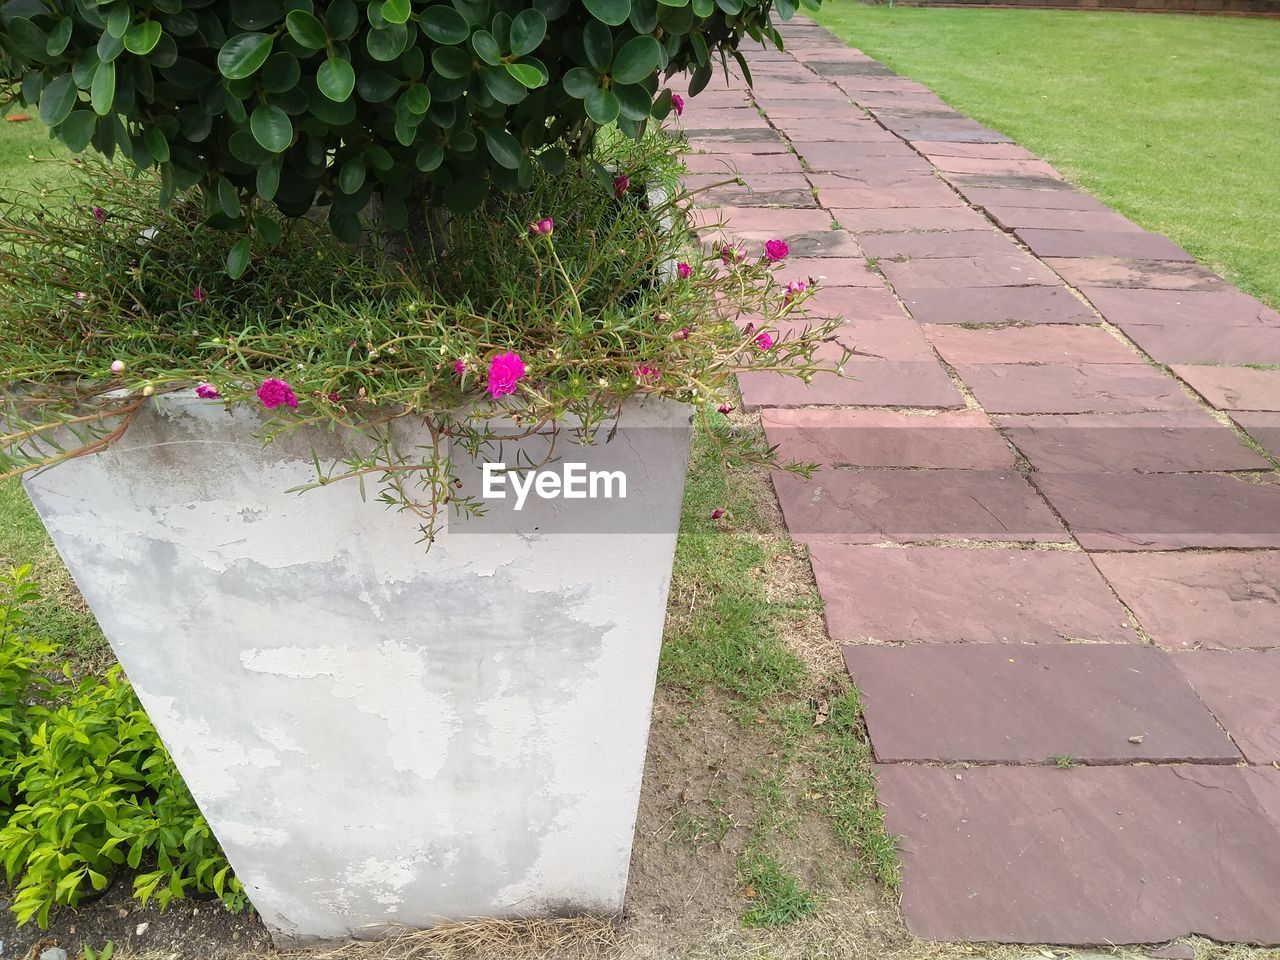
(306, 29)
(103, 92)
(142, 38)
(242, 55)
(336, 79)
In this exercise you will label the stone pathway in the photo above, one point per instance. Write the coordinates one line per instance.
(1041, 527)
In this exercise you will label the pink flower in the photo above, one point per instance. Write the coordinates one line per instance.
(683, 270)
(681, 334)
(333, 396)
(764, 342)
(794, 289)
(275, 393)
(677, 104)
(646, 374)
(207, 391)
(460, 367)
(718, 512)
(198, 295)
(543, 227)
(117, 366)
(621, 184)
(82, 297)
(99, 214)
(724, 408)
(776, 250)
(504, 371)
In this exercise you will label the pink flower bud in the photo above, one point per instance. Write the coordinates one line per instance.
(207, 391)
(681, 334)
(764, 342)
(460, 367)
(198, 295)
(718, 512)
(683, 270)
(117, 366)
(677, 104)
(621, 184)
(543, 227)
(724, 408)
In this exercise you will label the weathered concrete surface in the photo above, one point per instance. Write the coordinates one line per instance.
(378, 733)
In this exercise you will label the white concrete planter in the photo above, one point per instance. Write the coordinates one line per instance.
(378, 733)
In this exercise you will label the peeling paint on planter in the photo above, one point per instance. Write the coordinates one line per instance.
(376, 733)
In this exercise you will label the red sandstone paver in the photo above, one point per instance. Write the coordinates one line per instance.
(850, 131)
(963, 439)
(1136, 274)
(1013, 270)
(1234, 388)
(996, 305)
(1263, 427)
(868, 383)
(949, 594)
(806, 244)
(873, 506)
(731, 148)
(1040, 344)
(750, 220)
(1029, 703)
(1101, 243)
(779, 111)
(927, 192)
(1035, 168)
(1161, 442)
(745, 163)
(1072, 388)
(1187, 600)
(932, 245)
(1081, 856)
(880, 338)
(1058, 199)
(869, 220)
(1018, 218)
(1240, 688)
(1198, 342)
(833, 272)
(1166, 511)
(989, 151)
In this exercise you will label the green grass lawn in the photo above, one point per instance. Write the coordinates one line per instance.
(21, 141)
(1173, 121)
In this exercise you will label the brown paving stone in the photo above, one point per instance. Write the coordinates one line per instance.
(747, 220)
(746, 163)
(823, 156)
(1206, 341)
(867, 383)
(927, 192)
(893, 337)
(732, 118)
(987, 165)
(832, 272)
(1160, 442)
(1240, 688)
(887, 177)
(1017, 218)
(868, 220)
(1213, 600)
(779, 111)
(1165, 511)
(994, 305)
(762, 133)
(946, 594)
(1229, 306)
(1234, 388)
(731, 149)
(871, 506)
(1263, 427)
(1029, 703)
(1136, 274)
(1057, 199)
(1014, 270)
(931, 245)
(961, 439)
(1093, 854)
(1045, 343)
(989, 151)
(1102, 243)
(1072, 388)
(966, 182)
(863, 130)
(821, 244)
(735, 196)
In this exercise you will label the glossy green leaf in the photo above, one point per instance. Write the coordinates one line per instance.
(238, 258)
(351, 176)
(597, 44)
(28, 39)
(396, 11)
(103, 92)
(387, 43)
(466, 194)
(430, 157)
(526, 74)
(528, 30)
(580, 82)
(141, 38)
(486, 47)
(306, 30)
(612, 12)
(602, 106)
(58, 100)
(271, 127)
(417, 99)
(268, 179)
(243, 55)
(157, 144)
(503, 147)
(77, 130)
(451, 62)
(60, 37)
(443, 24)
(336, 79)
(637, 60)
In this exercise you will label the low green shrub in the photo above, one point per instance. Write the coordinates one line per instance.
(90, 790)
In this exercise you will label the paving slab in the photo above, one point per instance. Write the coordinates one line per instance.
(1102, 243)
(896, 219)
(1263, 427)
(990, 151)
(1046, 218)
(874, 506)
(1224, 601)
(927, 192)
(752, 220)
(964, 182)
(1039, 344)
(1135, 274)
(1234, 388)
(851, 128)
(1158, 442)
(1166, 511)
(867, 383)
(962, 439)
(745, 163)
(1206, 341)
(987, 165)
(1210, 308)
(995, 305)
(1030, 703)
(955, 594)
(809, 243)
(1055, 199)
(1072, 388)
(1128, 854)
(931, 245)
(832, 272)
(1012, 270)
(1240, 688)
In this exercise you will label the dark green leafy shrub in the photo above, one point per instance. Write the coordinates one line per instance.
(90, 789)
(339, 103)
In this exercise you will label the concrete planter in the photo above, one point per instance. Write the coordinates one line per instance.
(378, 733)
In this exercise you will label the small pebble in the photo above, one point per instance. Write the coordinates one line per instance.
(141, 928)
(54, 953)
